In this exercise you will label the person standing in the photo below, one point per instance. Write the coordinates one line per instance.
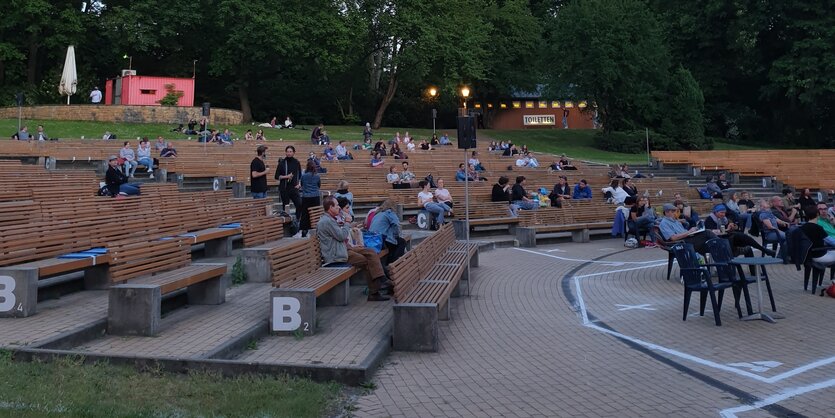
(332, 231)
(288, 174)
(565, 113)
(258, 172)
(95, 95)
(310, 182)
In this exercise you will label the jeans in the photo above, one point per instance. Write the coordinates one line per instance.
(147, 162)
(259, 195)
(775, 235)
(130, 189)
(438, 209)
(525, 204)
(130, 168)
(514, 210)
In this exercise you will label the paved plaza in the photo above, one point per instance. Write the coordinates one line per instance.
(566, 329)
(595, 330)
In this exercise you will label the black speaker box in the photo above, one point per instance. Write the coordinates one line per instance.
(207, 107)
(466, 132)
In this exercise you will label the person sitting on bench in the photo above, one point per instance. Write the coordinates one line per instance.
(333, 230)
(387, 224)
(116, 181)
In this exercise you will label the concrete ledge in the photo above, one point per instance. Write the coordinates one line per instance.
(353, 376)
(580, 235)
(238, 344)
(73, 338)
(461, 227)
(292, 310)
(415, 327)
(134, 309)
(218, 248)
(526, 236)
(22, 283)
(257, 264)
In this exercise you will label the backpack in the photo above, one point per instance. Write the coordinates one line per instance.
(829, 291)
(104, 191)
(704, 194)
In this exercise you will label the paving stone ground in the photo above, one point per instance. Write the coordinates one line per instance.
(518, 346)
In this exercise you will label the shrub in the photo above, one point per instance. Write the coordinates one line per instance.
(172, 97)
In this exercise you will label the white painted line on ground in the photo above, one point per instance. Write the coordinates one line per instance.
(708, 363)
(771, 400)
(757, 366)
(607, 263)
(555, 250)
(619, 271)
(644, 307)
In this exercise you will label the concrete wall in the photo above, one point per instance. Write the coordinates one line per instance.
(130, 114)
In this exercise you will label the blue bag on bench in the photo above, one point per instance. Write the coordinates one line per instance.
(373, 241)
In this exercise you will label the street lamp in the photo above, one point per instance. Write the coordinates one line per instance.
(465, 93)
(433, 94)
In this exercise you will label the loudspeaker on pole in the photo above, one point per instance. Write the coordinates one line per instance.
(466, 132)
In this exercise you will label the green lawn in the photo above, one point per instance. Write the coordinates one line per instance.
(68, 389)
(576, 143)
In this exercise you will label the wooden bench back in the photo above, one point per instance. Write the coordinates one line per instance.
(297, 257)
(259, 230)
(409, 269)
(136, 258)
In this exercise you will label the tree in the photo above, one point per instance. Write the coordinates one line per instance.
(681, 118)
(611, 53)
(411, 39)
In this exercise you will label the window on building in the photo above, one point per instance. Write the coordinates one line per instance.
(569, 105)
(146, 91)
(517, 105)
(555, 104)
(543, 105)
(503, 105)
(528, 105)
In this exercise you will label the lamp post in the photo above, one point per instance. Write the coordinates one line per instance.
(433, 93)
(465, 93)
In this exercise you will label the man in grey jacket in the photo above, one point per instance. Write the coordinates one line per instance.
(333, 230)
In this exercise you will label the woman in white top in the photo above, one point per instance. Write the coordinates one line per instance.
(427, 200)
(392, 177)
(618, 194)
(443, 196)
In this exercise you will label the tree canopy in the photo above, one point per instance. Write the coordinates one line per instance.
(743, 69)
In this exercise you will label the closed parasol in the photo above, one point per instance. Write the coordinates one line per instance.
(69, 79)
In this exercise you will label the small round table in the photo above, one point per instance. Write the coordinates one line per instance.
(762, 262)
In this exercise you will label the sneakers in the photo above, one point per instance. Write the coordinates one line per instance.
(150, 170)
(377, 297)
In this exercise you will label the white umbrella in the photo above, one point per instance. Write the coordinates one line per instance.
(69, 79)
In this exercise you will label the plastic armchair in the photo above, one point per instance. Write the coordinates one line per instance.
(721, 253)
(697, 279)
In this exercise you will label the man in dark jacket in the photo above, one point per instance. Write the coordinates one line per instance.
(288, 174)
(116, 181)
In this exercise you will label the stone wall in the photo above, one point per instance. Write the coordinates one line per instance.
(118, 113)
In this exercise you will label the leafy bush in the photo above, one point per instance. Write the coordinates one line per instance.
(172, 97)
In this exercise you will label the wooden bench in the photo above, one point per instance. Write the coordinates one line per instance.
(424, 280)
(576, 220)
(145, 271)
(301, 284)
